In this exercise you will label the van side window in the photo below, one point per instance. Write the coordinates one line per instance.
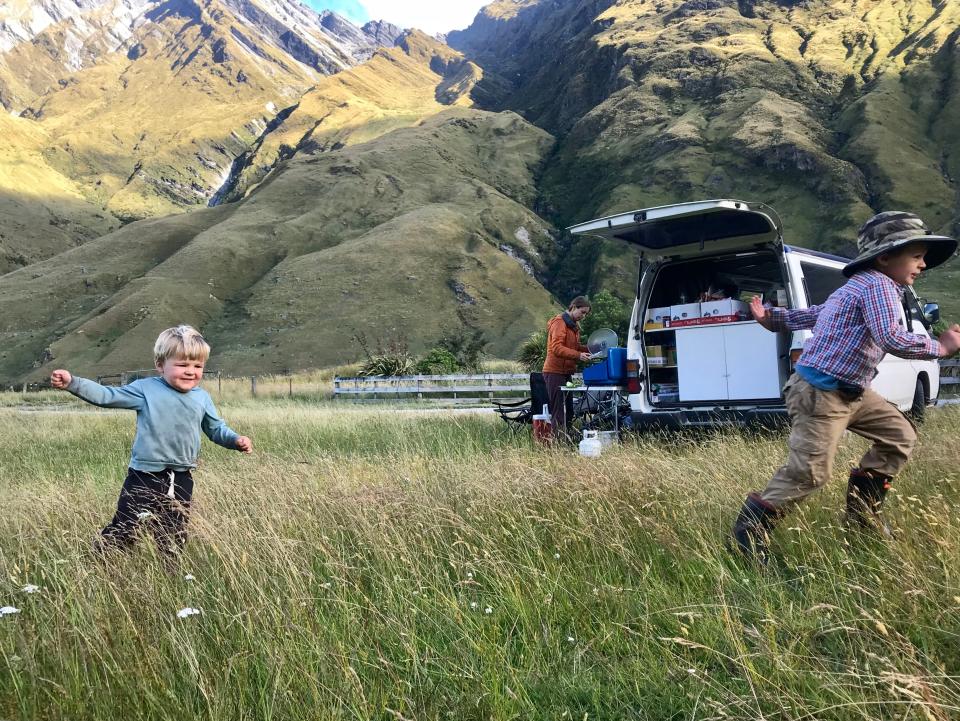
(820, 281)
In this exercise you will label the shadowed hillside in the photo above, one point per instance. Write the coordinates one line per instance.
(419, 232)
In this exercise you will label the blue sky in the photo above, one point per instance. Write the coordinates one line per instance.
(431, 16)
(350, 9)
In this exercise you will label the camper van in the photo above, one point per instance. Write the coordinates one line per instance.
(695, 356)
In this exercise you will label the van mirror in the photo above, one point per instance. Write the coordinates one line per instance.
(931, 311)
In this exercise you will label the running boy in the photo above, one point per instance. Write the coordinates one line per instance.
(829, 391)
(171, 411)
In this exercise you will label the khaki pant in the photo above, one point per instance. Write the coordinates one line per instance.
(818, 419)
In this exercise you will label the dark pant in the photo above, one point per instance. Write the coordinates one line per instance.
(144, 503)
(557, 401)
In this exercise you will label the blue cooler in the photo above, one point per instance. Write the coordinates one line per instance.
(612, 371)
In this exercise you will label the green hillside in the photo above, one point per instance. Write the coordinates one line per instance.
(422, 231)
(829, 114)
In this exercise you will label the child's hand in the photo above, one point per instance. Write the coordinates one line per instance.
(244, 445)
(950, 340)
(60, 379)
(760, 314)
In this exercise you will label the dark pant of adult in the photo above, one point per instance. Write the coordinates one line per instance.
(146, 502)
(558, 402)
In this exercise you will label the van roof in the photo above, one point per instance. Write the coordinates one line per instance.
(815, 253)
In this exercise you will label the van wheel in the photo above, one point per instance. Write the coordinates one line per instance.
(919, 407)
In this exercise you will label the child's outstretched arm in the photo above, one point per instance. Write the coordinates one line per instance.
(950, 341)
(128, 396)
(777, 319)
(217, 430)
(881, 311)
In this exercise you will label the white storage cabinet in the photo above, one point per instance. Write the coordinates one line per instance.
(731, 361)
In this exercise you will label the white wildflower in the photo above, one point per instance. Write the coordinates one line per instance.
(469, 574)
(488, 610)
(30, 588)
(9, 611)
(189, 577)
(187, 612)
(571, 639)
(557, 556)
(144, 515)
(473, 604)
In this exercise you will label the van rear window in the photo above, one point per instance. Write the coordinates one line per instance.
(820, 281)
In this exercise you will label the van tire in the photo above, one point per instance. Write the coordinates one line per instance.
(919, 407)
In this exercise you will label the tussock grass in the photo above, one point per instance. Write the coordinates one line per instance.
(387, 565)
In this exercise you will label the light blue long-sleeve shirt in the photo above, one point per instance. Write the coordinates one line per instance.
(168, 421)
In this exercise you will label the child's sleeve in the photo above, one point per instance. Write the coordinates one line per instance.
(129, 396)
(795, 318)
(881, 311)
(215, 428)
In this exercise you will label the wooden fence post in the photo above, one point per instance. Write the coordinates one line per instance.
(290, 384)
(219, 383)
(253, 386)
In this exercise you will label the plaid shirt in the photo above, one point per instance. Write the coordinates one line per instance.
(857, 325)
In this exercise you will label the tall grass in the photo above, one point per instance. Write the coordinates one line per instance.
(398, 566)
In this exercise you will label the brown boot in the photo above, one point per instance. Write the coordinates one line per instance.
(752, 528)
(866, 491)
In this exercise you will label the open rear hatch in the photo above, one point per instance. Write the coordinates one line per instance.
(687, 229)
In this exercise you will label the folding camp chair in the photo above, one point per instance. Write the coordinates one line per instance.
(519, 414)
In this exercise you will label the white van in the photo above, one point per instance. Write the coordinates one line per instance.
(693, 363)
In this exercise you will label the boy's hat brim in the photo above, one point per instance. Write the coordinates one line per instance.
(891, 230)
(940, 248)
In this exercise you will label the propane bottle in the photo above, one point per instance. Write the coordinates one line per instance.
(590, 446)
(543, 426)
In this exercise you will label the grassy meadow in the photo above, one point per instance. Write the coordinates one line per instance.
(367, 564)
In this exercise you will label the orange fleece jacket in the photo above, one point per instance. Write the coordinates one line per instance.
(563, 347)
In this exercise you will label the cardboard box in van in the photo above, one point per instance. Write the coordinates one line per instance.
(687, 311)
(727, 306)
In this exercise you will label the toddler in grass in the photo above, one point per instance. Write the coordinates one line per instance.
(171, 411)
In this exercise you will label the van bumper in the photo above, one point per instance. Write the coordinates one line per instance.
(678, 419)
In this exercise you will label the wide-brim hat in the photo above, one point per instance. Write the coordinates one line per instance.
(893, 229)
(886, 232)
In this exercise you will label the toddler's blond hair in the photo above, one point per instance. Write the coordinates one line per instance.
(182, 341)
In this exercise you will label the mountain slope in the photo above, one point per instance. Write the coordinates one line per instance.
(146, 104)
(421, 231)
(827, 111)
(397, 87)
(49, 212)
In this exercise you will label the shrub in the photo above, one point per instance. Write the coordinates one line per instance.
(388, 365)
(466, 346)
(438, 361)
(389, 359)
(606, 311)
(533, 352)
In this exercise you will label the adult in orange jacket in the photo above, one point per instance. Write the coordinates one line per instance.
(564, 349)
